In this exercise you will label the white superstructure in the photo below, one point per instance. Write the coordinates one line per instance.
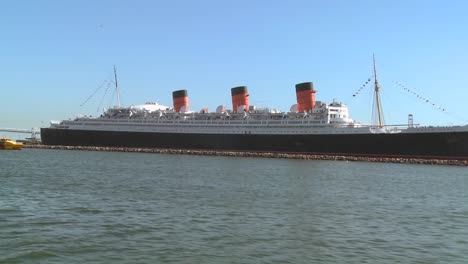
(152, 117)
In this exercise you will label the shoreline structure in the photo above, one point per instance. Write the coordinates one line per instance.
(278, 155)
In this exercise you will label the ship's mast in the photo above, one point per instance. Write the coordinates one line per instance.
(116, 87)
(378, 119)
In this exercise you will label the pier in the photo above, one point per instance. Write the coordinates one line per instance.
(277, 155)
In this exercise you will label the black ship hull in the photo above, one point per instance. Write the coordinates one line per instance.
(452, 145)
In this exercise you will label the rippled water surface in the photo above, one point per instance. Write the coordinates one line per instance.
(101, 207)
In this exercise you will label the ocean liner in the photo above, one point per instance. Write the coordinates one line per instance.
(310, 126)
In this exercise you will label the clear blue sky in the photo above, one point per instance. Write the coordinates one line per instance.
(54, 54)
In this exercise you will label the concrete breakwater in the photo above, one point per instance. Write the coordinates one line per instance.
(279, 155)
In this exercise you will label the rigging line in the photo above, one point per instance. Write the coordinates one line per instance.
(112, 99)
(422, 98)
(92, 95)
(353, 97)
(392, 98)
(95, 92)
(429, 102)
(374, 116)
(103, 96)
(376, 119)
(362, 86)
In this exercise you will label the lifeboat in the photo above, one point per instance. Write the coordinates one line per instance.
(9, 144)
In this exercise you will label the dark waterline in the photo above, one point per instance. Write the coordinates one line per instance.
(107, 207)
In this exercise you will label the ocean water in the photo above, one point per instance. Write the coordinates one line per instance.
(60, 206)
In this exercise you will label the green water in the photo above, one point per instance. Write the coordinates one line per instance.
(102, 207)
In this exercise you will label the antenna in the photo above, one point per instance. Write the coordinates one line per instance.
(377, 117)
(116, 87)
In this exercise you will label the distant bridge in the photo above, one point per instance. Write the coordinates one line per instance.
(35, 132)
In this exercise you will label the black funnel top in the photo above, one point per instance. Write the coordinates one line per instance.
(307, 86)
(179, 93)
(239, 90)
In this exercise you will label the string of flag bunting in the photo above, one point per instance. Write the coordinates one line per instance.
(420, 97)
(96, 91)
(362, 87)
(104, 95)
